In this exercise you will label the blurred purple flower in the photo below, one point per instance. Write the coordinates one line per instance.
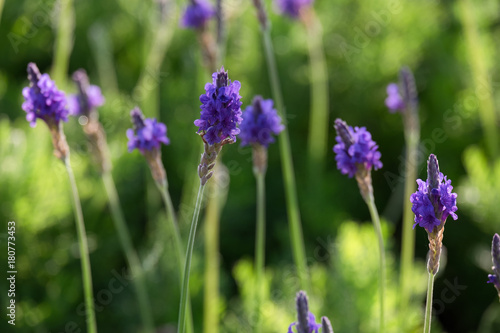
(77, 106)
(433, 202)
(495, 255)
(220, 109)
(197, 13)
(292, 8)
(42, 99)
(260, 121)
(394, 101)
(147, 134)
(306, 322)
(354, 148)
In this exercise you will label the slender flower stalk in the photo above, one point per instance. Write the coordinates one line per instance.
(44, 101)
(85, 105)
(306, 321)
(147, 136)
(292, 203)
(404, 98)
(64, 41)
(260, 121)
(217, 126)
(356, 154)
(432, 204)
(495, 256)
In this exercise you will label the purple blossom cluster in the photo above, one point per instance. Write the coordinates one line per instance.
(292, 8)
(77, 105)
(394, 101)
(260, 121)
(354, 148)
(220, 109)
(147, 134)
(197, 13)
(306, 322)
(433, 202)
(42, 99)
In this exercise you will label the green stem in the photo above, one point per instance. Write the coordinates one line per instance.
(295, 227)
(2, 2)
(130, 253)
(179, 252)
(187, 266)
(378, 231)
(408, 241)
(64, 42)
(211, 277)
(260, 244)
(428, 304)
(84, 251)
(480, 74)
(318, 117)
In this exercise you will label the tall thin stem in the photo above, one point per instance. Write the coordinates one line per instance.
(178, 246)
(408, 241)
(84, 251)
(64, 42)
(260, 241)
(428, 304)
(318, 117)
(378, 231)
(130, 253)
(294, 224)
(187, 266)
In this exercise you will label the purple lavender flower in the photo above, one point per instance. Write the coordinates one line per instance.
(306, 320)
(495, 255)
(197, 13)
(148, 134)
(433, 202)
(394, 101)
(42, 99)
(260, 121)
(292, 8)
(354, 148)
(220, 110)
(86, 100)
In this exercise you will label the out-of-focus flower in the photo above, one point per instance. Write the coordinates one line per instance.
(306, 322)
(42, 99)
(495, 256)
(87, 100)
(260, 121)
(394, 101)
(147, 134)
(197, 13)
(292, 8)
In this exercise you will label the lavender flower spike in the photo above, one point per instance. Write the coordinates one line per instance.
(306, 320)
(42, 100)
(147, 136)
(260, 121)
(197, 13)
(432, 204)
(219, 119)
(292, 8)
(88, 98)
(394, 101)
(495, 255)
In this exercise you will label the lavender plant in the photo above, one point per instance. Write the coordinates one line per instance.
(402, 98)
(260, 122)
(44, 101)
(432, 203)
(84, 104)
(356, 154)
(306, 321)
(217, 126)
(294, 223)
(495, 256)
